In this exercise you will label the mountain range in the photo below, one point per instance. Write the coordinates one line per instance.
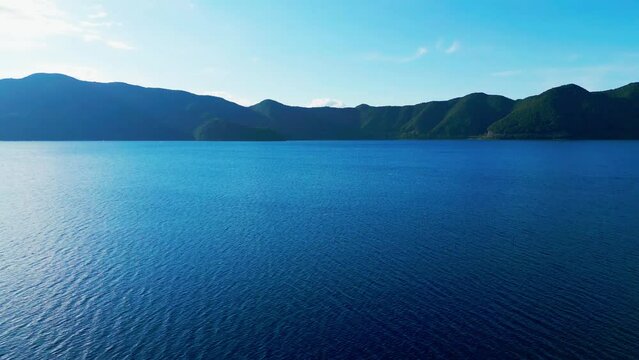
(59, 107)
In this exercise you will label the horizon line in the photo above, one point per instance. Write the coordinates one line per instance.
(305, 107)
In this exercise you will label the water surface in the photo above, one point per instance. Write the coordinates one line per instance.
(319, 249)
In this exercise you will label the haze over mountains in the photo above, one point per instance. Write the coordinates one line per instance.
(58, 107)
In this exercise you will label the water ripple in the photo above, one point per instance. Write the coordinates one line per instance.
(319, 250)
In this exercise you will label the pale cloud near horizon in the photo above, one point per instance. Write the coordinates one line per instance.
(319, 102)
(30, 24)
(326, 102)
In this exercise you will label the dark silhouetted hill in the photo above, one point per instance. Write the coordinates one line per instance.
(58, 107)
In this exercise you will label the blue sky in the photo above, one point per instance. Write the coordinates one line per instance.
(327, 52)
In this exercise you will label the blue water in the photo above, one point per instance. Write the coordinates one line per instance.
(449, 249)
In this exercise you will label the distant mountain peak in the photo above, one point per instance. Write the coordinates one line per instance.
(477, 94)
(49, 76)
(269, 102)
(568, 88)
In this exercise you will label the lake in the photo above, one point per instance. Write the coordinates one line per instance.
(404, 249)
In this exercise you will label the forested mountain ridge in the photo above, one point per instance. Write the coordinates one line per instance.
(59, 107)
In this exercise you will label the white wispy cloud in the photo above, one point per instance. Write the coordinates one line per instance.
(26, 24)
(91, 37)
(453, 48)
(98, 15)
(440, 47)
(419, 53)
(30, 24)
(96, 24)
(99, 12)
(506, 73)
(326, 102)
(120, 45)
